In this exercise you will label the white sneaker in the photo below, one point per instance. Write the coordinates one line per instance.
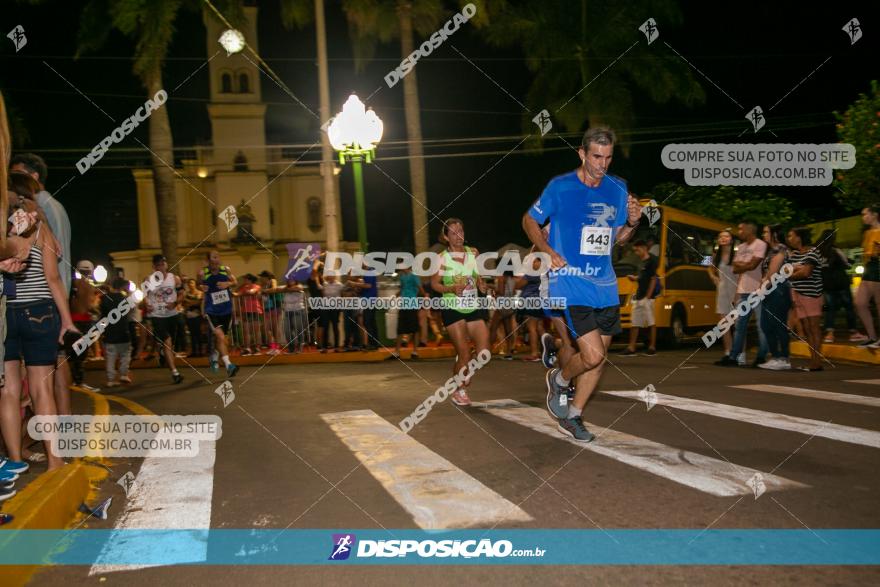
(112, 384)
(875, 344)
(857, 337)
(769, 364)
(776, 365)
(782, 365)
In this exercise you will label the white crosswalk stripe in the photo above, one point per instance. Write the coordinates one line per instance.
(831, 431)
(694, 470)
(815, 394)
(168, 494)
(434, 491)
(865, 381)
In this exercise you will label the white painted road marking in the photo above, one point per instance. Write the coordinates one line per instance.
(688, 468)
(815, 394)
(170, 494)
(768, 419)
(865, 381)
(435, 492)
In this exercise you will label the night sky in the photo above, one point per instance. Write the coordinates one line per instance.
(753, 51)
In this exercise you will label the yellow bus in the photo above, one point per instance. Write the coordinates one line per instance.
(686, 303)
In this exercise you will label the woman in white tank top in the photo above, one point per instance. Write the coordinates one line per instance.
(37, 318)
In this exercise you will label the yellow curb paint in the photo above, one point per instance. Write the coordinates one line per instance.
(52, 500)
(840, 352)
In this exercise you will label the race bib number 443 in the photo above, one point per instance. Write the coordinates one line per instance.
(595, 240)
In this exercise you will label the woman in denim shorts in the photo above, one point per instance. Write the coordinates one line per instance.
(36, 318)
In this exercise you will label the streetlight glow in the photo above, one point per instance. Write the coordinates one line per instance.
(232, 40)
(355, 129)
(355, 132)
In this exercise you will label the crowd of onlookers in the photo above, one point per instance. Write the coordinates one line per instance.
(806, 302)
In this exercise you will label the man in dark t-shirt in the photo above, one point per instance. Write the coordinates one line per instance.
(643, 301)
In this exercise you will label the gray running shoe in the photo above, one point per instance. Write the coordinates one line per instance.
(558, 397)
(575, 428)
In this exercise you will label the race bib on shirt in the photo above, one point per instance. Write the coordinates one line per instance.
(470, 289)
(219, 297)
(595, 240)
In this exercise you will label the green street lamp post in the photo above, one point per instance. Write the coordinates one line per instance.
(354, 132)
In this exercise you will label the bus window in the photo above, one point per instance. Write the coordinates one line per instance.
(688, 245)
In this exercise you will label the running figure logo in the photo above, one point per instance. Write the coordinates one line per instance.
(342, 545)
(225, 392)
(229, 216)
(542, 119)
(651, 211)
(126, 482)
(303, 259)
(854, 30)
(18, 39)
(649, 27)
(602, 214)
(756, 117)
(648, 396)
(756, 483)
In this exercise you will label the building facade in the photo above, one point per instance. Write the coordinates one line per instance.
(276, 199)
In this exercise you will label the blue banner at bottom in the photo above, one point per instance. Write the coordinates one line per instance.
(446, 547)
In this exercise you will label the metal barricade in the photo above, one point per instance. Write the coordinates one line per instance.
(267, 322)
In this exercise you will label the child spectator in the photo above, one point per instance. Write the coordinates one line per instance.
(117, 337)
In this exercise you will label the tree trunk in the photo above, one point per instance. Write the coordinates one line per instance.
(414, 134)
(331, 223)
(162, 156)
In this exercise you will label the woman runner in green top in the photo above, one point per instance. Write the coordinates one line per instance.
(459, 282)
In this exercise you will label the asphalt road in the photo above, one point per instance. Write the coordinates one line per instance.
(289, 458)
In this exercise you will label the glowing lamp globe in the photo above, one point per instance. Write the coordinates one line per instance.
(355, 128)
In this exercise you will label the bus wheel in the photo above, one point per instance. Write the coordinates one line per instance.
(676, 332)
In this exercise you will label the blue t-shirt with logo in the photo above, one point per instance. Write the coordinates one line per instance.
(583, 227)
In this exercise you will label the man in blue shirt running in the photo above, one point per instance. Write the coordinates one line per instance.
(589, 212)
(216, 280)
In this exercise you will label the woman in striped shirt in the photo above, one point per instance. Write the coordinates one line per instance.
(37, 318)
(806, 283)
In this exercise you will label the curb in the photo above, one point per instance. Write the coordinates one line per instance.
(51, 501)
(841, 352)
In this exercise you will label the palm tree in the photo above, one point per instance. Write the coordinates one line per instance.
(568, 45)
(150, 23)
(151, 26)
